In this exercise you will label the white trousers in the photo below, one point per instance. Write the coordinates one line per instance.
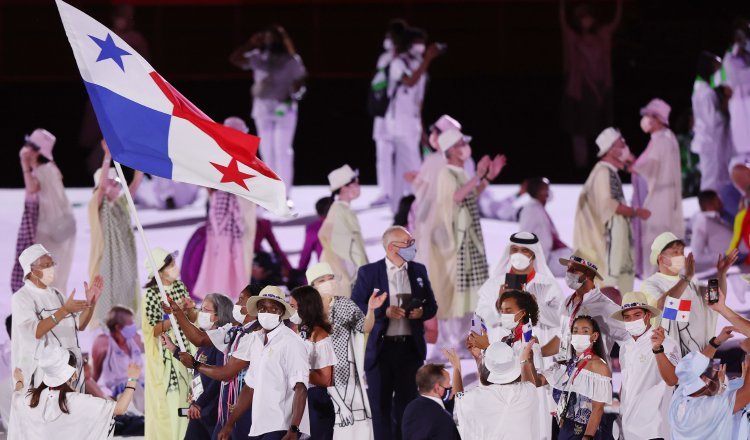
(276, 150)
(404, 154)
(384, 165)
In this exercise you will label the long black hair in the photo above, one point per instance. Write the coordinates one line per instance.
(310, 308)
(525, 301)
(598, 346)
(62, 399)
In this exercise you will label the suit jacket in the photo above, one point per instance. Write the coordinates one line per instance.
(375, 276)
(424, 419)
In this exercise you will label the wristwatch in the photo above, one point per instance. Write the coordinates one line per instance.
(658, 350)
(713, 342)
(196, 364)
(294, 428)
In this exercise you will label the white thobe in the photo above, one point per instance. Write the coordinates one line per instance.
(711, 238)
(738, 77)
(694, 334)
(712, 139)
(644, 395)
(534, 218)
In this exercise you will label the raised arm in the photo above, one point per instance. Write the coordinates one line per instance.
(666, 368)
(455, 361)
(740, 324)
(430, 54)
(196, 336)
(30, 182)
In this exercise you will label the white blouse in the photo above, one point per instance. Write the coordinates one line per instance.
(589, 384)
(321, 353)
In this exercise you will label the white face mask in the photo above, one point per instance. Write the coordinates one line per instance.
(388, 44)
(646, 124)
(204, 321)
(519, 261)
(635, 328)
(269, 321)
(417, 49)
(237, 314)
(573, 280)
(580, 342)
(676, 264)
(327, 287)
(508, 321)
(296, 320)
(48, 276)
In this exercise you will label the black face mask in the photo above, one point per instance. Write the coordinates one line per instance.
(447, 394)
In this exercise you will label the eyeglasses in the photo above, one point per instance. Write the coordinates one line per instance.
(404, 243)
(44, 265)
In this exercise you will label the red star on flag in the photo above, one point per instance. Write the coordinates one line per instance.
(232, 173)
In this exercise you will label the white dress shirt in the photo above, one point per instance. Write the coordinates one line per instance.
(398, 283)
(644, 395)
(275, 368)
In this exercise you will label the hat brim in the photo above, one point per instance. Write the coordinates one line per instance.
(565, 262)
(252, 306)
(654, 312)
(505, 377)
(62, 376)
(354, 176)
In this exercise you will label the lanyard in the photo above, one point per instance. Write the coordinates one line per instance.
(575, 310)
(585, 357)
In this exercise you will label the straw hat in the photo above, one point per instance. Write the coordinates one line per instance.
(273, 293)
(635, 300)
(582, 258)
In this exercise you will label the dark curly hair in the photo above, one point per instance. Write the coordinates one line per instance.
(525, 301)
(598, 344)
(310, 308)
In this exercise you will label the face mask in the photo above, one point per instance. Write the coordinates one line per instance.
(508, 321)
(635, 328)
(204, 321)
(237, 314)
(296, 319)
(676, 263)
(327, 287)
(646, 124)
(447, 394)
(388, 44)
(580, 342)
(268, 321)
(519, 261)
(129, 331)
(573, 280)
(417, 49)
(408, 253)
(48, 276)
(624, 154)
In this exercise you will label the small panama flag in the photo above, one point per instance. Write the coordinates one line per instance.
(527, 333)
(676, 310)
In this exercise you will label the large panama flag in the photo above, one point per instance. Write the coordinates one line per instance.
(151, 127)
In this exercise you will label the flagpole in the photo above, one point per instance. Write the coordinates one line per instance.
(154, 267)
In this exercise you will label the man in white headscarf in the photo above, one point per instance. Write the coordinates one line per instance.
(522, 255)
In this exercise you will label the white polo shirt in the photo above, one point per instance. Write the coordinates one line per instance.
(275, 368)
(644, 395)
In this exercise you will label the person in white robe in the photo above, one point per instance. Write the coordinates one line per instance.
(658, 185)
(54, 410)
(602, 220)
(534, 218)
(712, 235)
(340, 234)
(736, 65)
(700, 409)
(504, 409)
(42, 316)
(523, 255)
(676, 279)
(647, 362)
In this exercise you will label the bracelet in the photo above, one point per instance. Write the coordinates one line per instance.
(132, 379)
(130, 388)
(685, 279)
(54, 319)
(713, 343)
(524, 361)
(658, 350)
(176, 352)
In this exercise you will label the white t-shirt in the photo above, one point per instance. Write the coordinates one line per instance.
(644, 395)
(404, 115)
(275, 368)
(694, 334)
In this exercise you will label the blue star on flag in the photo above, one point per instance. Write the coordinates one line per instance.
(110, 51)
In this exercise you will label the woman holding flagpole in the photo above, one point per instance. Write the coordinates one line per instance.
(167, 380)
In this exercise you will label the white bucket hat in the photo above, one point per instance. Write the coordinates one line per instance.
(689, 371)
(661, 242)
(269, 292)
(606, 139)
(54, 365)
(30, 255)
(449, 138)
(317, 271)
(658, 109)
(502, 364)
(160, 257)
(43, 141)
(341, 177)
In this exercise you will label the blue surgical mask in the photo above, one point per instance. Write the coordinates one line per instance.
(408, 253)
(129, 331)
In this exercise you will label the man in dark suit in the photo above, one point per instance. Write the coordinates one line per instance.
(425, 417)
(396, 346)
